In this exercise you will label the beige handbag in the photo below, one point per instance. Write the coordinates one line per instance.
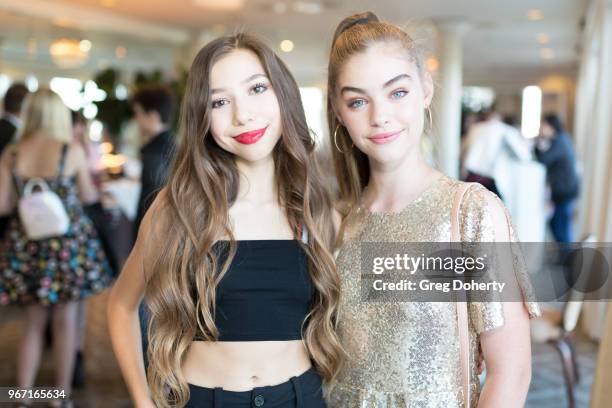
(462, 307)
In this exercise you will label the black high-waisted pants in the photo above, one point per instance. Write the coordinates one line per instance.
(303, 391)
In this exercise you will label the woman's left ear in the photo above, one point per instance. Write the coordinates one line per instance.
(428, 88)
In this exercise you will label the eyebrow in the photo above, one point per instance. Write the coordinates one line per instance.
(385, 85)
(249, 79)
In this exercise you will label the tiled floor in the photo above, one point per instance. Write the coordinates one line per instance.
(106, 389)
(547, 388)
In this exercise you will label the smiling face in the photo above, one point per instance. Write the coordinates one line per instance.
(245, 113)
(380, 99)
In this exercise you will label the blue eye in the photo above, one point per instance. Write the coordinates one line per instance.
(399, 94)
(259, 88)
(357, 103)
(219, 103)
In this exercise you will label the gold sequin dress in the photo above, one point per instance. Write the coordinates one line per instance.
(403, 354)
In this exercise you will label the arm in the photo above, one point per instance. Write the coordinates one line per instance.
(518, 144)
(87, 190)
(554, 153)
(507, 355)
(506, 349)
(123, 321)
(7, 190)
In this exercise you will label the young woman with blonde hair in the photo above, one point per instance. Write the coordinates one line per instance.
(404, 354)
(233, 257)
(51, 274)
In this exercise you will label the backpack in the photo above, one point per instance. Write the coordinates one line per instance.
(41, 212)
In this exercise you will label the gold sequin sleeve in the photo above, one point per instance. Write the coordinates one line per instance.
(480, 223)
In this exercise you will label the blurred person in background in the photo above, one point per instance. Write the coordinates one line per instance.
(80, 127)
(468, 119)
(79, 136)
(153, 111)
(511, 120)
(11, 117)
(52, 274)
(555, 151)
(485, 144)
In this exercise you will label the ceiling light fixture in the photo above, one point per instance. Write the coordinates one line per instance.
(286, 45)
(85, 45)
(67, 53)
(220, 5)
(433, 64)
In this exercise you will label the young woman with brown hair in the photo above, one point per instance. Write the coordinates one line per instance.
(234, 255)
(404, 354)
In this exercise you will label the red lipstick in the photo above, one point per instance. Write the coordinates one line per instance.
(385, 137)
(250, 137)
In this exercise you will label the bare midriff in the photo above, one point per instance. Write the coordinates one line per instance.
(244, 365)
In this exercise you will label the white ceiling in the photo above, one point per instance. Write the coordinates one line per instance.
(500, 38)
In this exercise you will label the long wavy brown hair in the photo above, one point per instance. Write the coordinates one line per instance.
(354, 35)
(193, 214)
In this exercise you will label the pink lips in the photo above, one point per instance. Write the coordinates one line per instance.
(250, 137)
(385, 137)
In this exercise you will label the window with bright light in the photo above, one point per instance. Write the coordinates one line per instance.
(5, 82)
(31, 83)
(95, 131)
(69, 89)
(312, 99)
(531, 111)
(76, 96)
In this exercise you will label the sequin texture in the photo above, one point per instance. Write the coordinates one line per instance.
(403, 354)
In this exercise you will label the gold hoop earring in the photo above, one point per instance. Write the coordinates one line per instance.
(430, 120)
(335, 136)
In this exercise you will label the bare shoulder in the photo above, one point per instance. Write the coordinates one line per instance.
(75, 157)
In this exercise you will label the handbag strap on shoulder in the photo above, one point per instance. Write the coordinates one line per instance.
(462, 306)
(62, 162)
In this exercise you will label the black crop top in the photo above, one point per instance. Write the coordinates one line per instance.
(265, 294)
